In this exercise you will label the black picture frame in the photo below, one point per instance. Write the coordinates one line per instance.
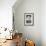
(28, 19)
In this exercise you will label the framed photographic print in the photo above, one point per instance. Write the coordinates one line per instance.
(28, 19)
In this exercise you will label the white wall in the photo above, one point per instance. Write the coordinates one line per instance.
(30, 32)
(43, 22)
(6, 13)
(38, 31)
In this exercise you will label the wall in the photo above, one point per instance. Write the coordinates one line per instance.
(6, 13)
(43, 22)
(29, 32)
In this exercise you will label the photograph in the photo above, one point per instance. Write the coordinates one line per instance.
(28, 19)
